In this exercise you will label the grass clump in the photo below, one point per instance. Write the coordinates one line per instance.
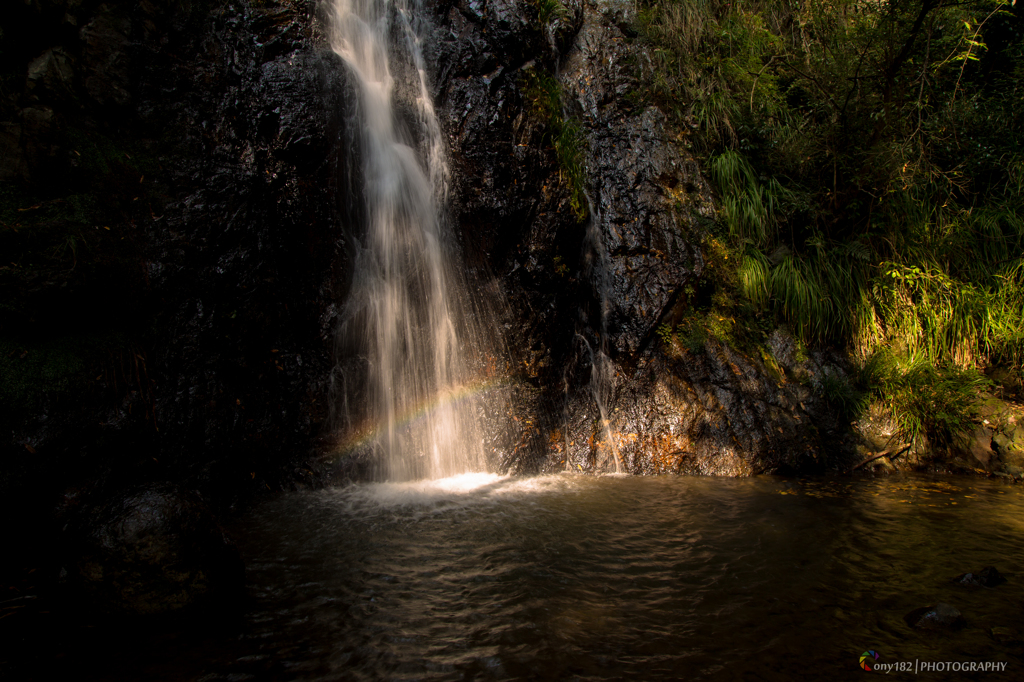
(563, 133)
(928, 402)
(549, 10)
(712, 308)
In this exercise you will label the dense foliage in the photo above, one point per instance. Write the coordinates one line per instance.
(869, 159)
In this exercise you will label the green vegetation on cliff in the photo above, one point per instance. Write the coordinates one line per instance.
(544, 94)
(869, 161)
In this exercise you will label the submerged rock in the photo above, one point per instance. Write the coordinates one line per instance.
(941, 616)
(986, 577)
(155, 549)
(1006, 635)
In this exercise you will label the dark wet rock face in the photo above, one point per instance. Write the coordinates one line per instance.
(508, 205)
(105, 57)
(709, 411)
(648, 197)
(939, 617)
(252, 256)
(153, 550)
(187, 224)
(715, 412)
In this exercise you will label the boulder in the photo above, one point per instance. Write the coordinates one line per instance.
(39, 133)
(1009, 443)
(50, 75)
(106, 59)
(941, 616)
(154, 549)
(12, 160)
(980, 445)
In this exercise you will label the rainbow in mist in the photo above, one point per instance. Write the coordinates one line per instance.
(367, 432)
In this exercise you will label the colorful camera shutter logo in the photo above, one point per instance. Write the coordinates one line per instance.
(867, 658)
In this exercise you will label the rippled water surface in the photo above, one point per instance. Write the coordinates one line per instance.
(564, 577)
(572, 577)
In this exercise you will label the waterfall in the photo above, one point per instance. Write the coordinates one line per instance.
(602, 369)
(412, 363)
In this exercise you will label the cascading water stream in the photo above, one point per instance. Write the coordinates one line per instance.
(598, 269)
(411, 401)
(602, 369)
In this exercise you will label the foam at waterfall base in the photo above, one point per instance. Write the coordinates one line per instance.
(464, 490)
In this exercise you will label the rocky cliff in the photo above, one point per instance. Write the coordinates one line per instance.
(601, 279)
(177, 215)
(173, 217)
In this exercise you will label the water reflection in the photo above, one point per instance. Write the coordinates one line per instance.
(573, 577)
(581, 577)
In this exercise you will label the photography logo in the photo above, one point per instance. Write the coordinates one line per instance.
(867, 658)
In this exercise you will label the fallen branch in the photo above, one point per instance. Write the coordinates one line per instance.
(885, 453)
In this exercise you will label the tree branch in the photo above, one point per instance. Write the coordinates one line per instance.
(885, 453)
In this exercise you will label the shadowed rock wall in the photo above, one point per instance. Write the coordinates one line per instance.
(173, 216)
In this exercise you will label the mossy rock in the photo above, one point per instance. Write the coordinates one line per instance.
(1009, 443)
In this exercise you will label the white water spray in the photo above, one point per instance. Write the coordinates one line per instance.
(413, 403)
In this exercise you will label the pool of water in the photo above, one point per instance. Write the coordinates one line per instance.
(574, 577)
